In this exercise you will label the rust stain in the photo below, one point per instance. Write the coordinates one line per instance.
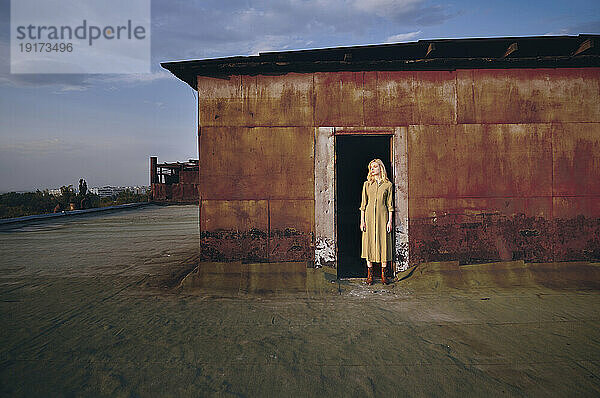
(576, 149)
(220, 101)
(481, 238)
(278, 100)
(290, 245)
(434, 97)
(339, 99)
(530, 95)
(233, 245)
(389, 98)
(256, 245)
(241, 163)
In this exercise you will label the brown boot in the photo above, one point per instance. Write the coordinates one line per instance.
(369, 280)
(383, 280)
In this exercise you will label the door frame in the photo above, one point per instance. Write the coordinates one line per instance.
(390, 173)
(325, 195)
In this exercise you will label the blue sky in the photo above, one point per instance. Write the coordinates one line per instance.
(55, 129)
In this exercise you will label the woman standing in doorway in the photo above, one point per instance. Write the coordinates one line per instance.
(376, 210)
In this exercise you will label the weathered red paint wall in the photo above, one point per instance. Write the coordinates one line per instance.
(256, 168)
(502, 164)
(256, 192)
(517, 176)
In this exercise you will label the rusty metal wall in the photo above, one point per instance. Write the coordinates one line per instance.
(502, 164)
(175, 193)
(517, 176)
(256, 168)
(188, 177)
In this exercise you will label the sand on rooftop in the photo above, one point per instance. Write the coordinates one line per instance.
(118, 305)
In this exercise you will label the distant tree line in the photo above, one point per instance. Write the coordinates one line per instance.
(15, 204)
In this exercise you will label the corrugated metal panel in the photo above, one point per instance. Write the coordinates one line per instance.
(502, 164)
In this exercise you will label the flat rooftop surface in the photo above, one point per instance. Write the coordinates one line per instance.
(117, 305)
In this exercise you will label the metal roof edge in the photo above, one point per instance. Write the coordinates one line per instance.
(436, 54)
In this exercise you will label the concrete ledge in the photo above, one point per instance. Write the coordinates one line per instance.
(580, 275)
(259, 278)
(236, 278)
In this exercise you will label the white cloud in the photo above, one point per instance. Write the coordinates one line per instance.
(387, 8)
(560, 32)
(403, 37)
(218, 29)
(38, 147)
(133, 77)
(213, 28)
(76, 82)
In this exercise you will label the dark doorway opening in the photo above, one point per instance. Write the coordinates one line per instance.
(352, 155)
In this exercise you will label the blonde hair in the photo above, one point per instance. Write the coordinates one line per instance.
(382, 171)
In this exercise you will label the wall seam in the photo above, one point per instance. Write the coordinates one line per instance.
(455, 97)
(268, 230)
(553, 243)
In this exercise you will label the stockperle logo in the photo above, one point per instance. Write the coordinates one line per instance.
(83, 36)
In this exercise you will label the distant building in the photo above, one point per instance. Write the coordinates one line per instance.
(107, 191)
(174, 182)
(140, 190)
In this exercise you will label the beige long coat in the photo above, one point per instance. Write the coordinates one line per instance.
(376, 202)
